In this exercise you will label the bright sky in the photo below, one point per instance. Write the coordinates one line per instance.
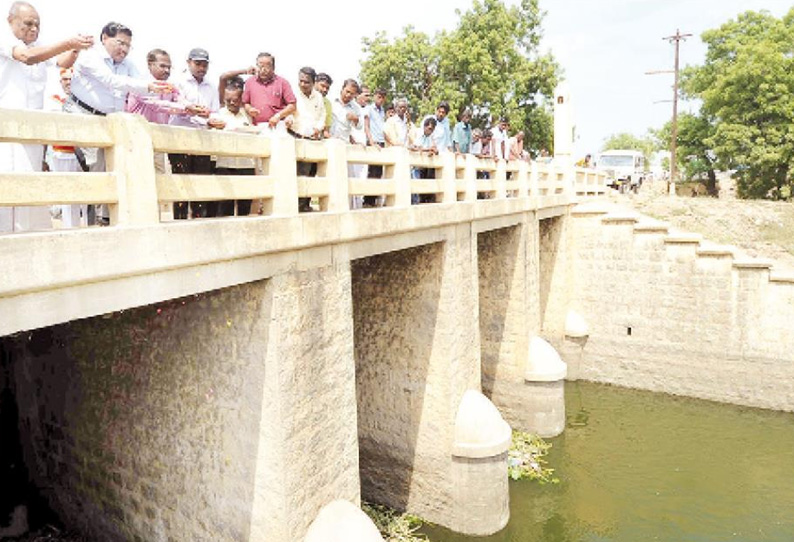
(604, 46)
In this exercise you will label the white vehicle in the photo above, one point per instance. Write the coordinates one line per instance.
(625, 169)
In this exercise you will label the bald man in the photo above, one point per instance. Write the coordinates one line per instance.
(23, 77)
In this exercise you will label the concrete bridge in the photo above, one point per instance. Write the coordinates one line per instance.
(226, 379)
(253, 378)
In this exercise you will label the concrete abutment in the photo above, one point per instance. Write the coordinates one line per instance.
(224, 416)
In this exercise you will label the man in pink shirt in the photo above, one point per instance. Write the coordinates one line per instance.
(156, 108)
(267, 97)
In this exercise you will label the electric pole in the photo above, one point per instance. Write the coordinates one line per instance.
(674, 136)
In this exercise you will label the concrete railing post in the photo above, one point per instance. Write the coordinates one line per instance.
(338, 178)
(523, 179)
(131, 159)
(450, 194)
(569, 178)
(284, 171)
(470, 177)
(501, 179)
(402, 178)
(534, 174)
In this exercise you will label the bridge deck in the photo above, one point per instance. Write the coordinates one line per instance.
(55, 276)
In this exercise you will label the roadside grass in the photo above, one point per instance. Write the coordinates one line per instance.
(780, 232)
(761, 229)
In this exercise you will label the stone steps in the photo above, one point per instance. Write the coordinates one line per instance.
(687, 244)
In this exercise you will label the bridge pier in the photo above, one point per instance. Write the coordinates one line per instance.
(515, 295)
(417, 353)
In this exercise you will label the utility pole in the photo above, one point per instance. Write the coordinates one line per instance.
(674, 137)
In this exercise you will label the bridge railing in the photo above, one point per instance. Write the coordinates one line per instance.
(135, 191)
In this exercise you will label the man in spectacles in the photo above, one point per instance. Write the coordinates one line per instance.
(103, 76)
(268, 98)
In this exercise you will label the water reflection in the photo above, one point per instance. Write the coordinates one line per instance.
(637, 466)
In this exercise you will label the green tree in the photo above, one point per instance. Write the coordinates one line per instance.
(406, 67)
(489, 62)
(747, 88)
(694, 155)
(625, 141)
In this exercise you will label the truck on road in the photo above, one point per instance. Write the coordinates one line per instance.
(625, 169)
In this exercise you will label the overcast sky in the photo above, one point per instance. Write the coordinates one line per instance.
(604, 46)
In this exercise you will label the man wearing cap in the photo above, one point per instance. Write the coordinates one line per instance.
(195, 89)
(23, 77)
(268, 98)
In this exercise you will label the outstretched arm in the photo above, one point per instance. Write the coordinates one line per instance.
(40, 53)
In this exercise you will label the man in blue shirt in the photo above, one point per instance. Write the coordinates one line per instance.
(461, 136)
(374, 120)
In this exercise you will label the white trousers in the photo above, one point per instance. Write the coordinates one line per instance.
(18, 158)
(72, 216)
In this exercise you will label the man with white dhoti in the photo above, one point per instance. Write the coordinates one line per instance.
(23, 77)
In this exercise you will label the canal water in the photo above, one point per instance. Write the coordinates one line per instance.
(636, 466)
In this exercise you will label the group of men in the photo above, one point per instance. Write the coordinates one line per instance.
(99, 79)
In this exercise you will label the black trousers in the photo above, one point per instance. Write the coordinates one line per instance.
(226, 208)
(374, 172)
(200, 165)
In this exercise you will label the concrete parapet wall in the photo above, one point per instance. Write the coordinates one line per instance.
(670, 312)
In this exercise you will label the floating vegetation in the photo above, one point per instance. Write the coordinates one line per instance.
(394, 526)
(525, 459)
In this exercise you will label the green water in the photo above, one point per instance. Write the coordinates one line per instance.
(637, 466)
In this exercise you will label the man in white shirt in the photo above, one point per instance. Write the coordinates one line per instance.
(309, 119)
(398, 128)
(60, 158)
(346, 117)
(23, 76)
(501, 140)
(442, 134)
(194, 89)
(345, 112)
(359, 136)
(102, 78)
(236, 120)
(308, 122)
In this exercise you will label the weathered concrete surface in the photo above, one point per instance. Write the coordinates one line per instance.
(482, 439)
(510, 312)
(228, 416)
(482, 484)
(417, 352)
(555, 274)
(669, 313)
(503, 306)
(308, 447)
